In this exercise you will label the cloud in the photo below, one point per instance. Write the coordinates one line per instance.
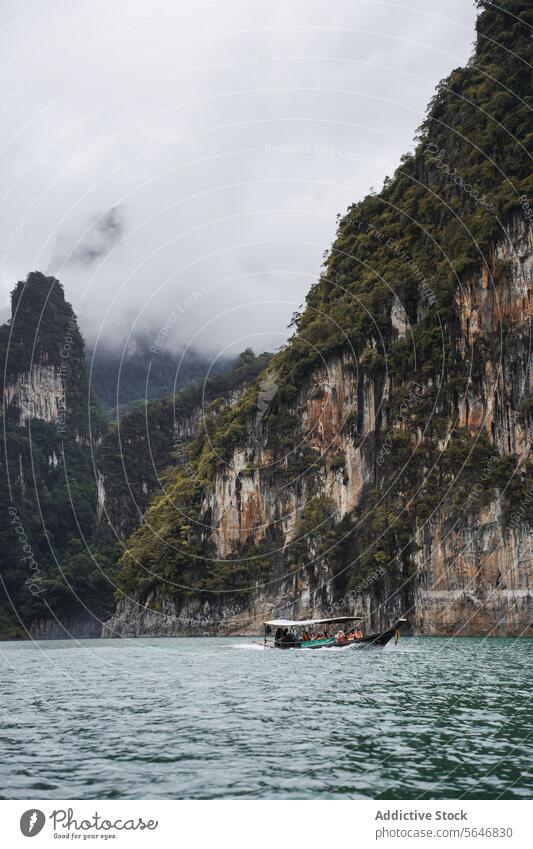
(219, 138)
(95, 242)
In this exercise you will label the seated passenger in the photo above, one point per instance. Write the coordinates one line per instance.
(306, 637)
(340, 638)
(358, 634)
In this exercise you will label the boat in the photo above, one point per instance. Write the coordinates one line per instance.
(287, 634)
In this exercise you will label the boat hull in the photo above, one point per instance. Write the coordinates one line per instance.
(378, 640)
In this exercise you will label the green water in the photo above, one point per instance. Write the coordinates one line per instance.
(215, 718)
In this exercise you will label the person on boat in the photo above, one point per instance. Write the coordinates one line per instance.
(306, 636)
(278, 636)
(358, 634)
(319, 636)
(340, 638)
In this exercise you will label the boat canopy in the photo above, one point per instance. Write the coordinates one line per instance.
(288, 623)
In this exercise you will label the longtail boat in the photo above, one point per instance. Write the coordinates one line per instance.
(288, 634)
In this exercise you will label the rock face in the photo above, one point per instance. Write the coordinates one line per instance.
(383, 466)
(485, 311)
(133, 455)
(71, 627)
(471, 576)
(247, 505)
(40, 394)
(47, 491)
(474, 578)
(42, 352)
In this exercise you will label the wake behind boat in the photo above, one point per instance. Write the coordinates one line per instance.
(314, 634)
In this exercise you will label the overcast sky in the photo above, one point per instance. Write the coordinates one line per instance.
(184, 162)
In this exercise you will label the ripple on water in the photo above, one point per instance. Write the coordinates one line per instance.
(214, 718)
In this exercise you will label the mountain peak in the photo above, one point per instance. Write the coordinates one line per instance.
(43, 328)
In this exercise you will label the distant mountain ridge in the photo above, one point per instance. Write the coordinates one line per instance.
(122, 378)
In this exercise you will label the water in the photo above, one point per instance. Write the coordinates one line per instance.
(221, 718)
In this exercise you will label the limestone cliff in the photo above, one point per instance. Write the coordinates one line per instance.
(38, 394)
(47, 490)
(132, 457)
(42, 354)
(381, 465)
(470, 573)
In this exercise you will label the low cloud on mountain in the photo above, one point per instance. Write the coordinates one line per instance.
(190, 161)
(100, 237)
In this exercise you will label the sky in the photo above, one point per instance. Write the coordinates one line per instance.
(180, 165)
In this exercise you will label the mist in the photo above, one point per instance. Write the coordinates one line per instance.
(95, 242)
(183, 167)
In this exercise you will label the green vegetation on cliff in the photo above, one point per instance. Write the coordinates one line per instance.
(47, 486)
(147, 439)
(417, 243)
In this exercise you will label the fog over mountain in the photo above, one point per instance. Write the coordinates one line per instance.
(180, 169)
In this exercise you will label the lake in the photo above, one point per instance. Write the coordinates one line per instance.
(222, 718)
